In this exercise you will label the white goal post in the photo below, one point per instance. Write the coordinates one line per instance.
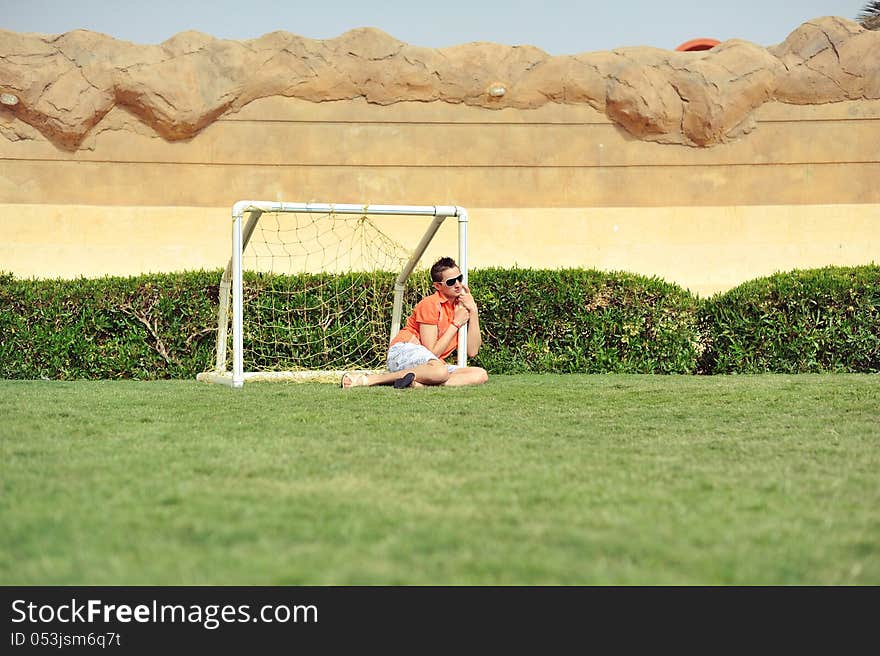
(232, 285)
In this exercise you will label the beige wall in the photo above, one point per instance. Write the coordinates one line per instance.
(556, 186)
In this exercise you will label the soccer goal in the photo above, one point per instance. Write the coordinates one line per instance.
(312, 290)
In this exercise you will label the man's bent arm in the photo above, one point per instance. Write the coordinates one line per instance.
(430, 340)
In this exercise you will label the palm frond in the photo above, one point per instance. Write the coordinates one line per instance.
(870, 16)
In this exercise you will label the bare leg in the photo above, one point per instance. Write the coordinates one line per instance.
(467, 376)
(433, 372)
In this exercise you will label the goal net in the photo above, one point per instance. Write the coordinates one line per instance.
(312, 290)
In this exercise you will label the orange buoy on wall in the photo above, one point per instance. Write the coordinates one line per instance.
(698, 44)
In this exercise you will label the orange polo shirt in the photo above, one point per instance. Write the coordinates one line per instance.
(434, 310)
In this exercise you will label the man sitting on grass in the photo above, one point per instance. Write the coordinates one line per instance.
(416, 354)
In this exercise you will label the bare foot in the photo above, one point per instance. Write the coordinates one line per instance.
(353, 380)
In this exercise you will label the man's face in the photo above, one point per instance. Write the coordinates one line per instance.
(453, 274)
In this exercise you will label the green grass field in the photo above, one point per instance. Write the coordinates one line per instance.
(526, 480)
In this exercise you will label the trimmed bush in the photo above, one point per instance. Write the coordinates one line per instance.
(820, 320)
(584, 321)
(162, 326)
(151, 326)
(563, 321)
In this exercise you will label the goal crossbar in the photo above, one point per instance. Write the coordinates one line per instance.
(231, 283)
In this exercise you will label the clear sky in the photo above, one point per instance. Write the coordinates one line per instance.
(557, 26)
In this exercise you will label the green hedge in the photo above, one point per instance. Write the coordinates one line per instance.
(573, 320)
(151, 326)
(820, 320)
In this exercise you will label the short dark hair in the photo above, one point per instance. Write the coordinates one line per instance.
(440, 266)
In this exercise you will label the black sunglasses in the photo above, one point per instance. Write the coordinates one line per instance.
(451, 282)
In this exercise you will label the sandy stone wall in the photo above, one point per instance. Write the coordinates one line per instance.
(704, 168)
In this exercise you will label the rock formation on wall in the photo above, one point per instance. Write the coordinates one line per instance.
(64, 85)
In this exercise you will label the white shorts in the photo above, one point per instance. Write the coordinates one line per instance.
(404, 355)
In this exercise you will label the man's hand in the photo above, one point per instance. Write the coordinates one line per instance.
(467, 300)
(461, 315)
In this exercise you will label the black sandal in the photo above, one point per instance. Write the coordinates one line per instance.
(405, 381)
